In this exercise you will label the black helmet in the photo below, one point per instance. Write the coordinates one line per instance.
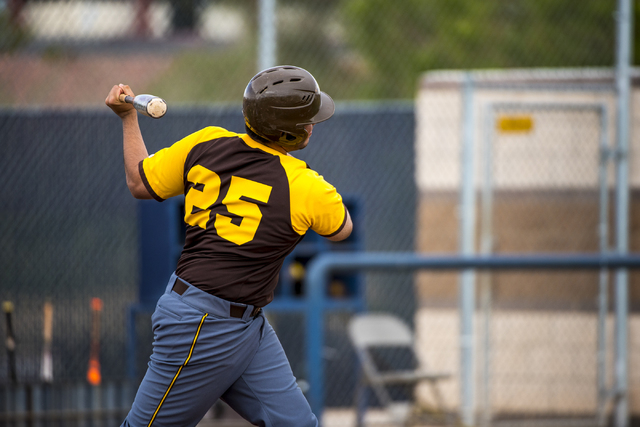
(278, 102)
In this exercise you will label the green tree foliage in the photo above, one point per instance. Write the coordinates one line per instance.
(12, 36)
(399, 40)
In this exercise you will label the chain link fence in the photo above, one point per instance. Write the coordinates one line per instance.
(71, 234)
(69, 227)
(544, 146)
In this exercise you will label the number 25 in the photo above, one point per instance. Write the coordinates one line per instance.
(205, 193)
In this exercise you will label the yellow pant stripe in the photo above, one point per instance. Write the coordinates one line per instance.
(193, 344)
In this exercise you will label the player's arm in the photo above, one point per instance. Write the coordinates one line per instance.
(132, 143)
(346, 229)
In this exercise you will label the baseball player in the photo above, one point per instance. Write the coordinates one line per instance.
(248, 202)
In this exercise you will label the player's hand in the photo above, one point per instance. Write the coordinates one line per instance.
(121, 108)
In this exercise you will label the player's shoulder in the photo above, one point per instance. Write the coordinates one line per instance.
(297, 169)
(205, 135)
(302, 176)
(211, 132)
(294, 164)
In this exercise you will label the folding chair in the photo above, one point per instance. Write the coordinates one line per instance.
(370, 331)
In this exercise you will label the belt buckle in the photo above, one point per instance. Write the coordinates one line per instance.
(256, 311)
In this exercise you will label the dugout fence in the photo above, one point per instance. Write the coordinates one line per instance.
(74, 236)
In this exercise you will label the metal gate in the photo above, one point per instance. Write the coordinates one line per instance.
(544, 160)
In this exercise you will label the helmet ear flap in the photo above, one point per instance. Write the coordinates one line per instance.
(291, 140)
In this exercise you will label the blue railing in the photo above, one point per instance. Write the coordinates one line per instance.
(321, 266)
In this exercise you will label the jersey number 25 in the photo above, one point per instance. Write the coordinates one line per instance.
(205, 193)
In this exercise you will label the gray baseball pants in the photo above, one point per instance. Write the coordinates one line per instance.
(201, 353)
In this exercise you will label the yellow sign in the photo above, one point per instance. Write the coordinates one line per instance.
(515, 124)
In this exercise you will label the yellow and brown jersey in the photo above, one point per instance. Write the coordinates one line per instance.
(246, 207)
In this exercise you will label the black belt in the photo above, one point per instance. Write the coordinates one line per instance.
(238, 311)
(235, 310)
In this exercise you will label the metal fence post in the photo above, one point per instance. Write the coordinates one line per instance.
(467, 248)
(604, 246)
(486, 248)
(315, 338)
(622, 211)
(267, 38)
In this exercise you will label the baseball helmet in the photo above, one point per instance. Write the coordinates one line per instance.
(279, 101)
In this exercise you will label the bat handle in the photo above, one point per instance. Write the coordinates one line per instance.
(126, 98)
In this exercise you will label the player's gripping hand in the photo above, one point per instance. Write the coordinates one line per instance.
(121, 108)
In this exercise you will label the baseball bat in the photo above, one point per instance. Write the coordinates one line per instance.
(46, 371)
(94, 376)
(10, 342)
(149, 105)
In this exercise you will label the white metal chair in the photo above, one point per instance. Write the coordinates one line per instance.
(371, 331)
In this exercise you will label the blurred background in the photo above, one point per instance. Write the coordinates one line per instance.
(203, 52)
(543, 89)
